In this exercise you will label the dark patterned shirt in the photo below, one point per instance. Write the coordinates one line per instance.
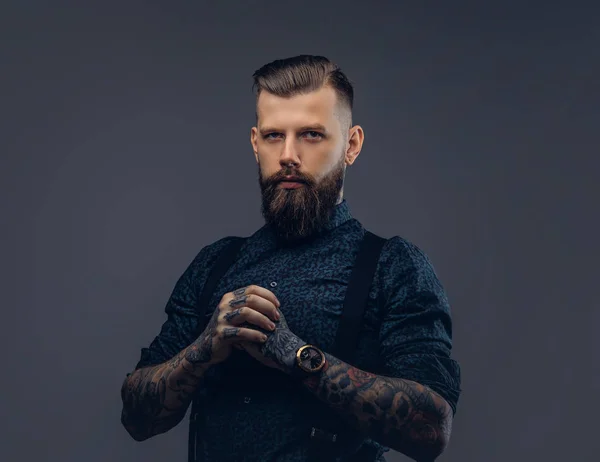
(250, 412)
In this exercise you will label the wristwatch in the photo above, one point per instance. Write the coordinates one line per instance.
(309, 360)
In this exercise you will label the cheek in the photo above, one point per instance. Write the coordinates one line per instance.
(324, 163)
(265, 161)
(268, 167)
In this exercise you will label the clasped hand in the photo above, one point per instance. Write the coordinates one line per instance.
(241, 321)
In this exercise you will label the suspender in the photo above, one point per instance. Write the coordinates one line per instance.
(323, 446)
(345, 341)
(220, 267)
(356, 297)
(224, 261)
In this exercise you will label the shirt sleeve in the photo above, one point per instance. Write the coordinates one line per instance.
(416, 331)
(182, 325)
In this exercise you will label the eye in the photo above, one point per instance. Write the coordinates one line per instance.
(315, 135)
(270, 136)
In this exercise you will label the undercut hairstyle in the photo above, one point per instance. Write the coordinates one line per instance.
(303, 74)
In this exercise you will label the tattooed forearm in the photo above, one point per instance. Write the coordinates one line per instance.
(402, 414)
(155, 399)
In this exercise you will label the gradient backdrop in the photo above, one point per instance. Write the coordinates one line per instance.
(125, 149)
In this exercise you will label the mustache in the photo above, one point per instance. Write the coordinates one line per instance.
(281, 176)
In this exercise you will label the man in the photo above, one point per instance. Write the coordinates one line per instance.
(280, 303)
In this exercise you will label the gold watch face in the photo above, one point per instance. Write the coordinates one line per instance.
(310, 358)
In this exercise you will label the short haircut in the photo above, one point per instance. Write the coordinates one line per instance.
(303, 74)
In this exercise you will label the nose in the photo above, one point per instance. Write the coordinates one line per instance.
(289, 156)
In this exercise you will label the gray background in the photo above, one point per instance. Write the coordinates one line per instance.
(125, 149)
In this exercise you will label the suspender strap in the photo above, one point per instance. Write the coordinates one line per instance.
(357, 294)
(323, 443)
(225, 259)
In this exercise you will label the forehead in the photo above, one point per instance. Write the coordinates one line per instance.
(319, 106)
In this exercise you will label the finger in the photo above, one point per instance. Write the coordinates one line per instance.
(246, 314)
(257, 290)
(252, 300)
(231, 334)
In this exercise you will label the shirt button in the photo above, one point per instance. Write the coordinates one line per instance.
(273, 284)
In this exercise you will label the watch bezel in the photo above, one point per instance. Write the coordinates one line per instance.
(299, 361)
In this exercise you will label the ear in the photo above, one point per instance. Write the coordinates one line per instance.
(356, 137)
(254, 142)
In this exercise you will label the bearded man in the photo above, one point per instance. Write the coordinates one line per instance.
(312, 339)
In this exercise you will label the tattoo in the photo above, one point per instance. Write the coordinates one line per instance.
(237, 301)
(200, 352)
(232, 314)
(238, 292)
(281, 346)
(155, 399)
(229, 332)
(402, 414)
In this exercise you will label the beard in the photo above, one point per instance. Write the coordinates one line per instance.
(297, 214)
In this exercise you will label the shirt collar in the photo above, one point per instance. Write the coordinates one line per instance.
(340, 215)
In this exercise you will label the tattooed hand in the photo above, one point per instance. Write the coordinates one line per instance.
(279, 351)
(252, 305)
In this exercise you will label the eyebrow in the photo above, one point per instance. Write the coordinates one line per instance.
(305, 128)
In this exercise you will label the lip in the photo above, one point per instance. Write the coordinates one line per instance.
(290, 184)
(292, 179)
